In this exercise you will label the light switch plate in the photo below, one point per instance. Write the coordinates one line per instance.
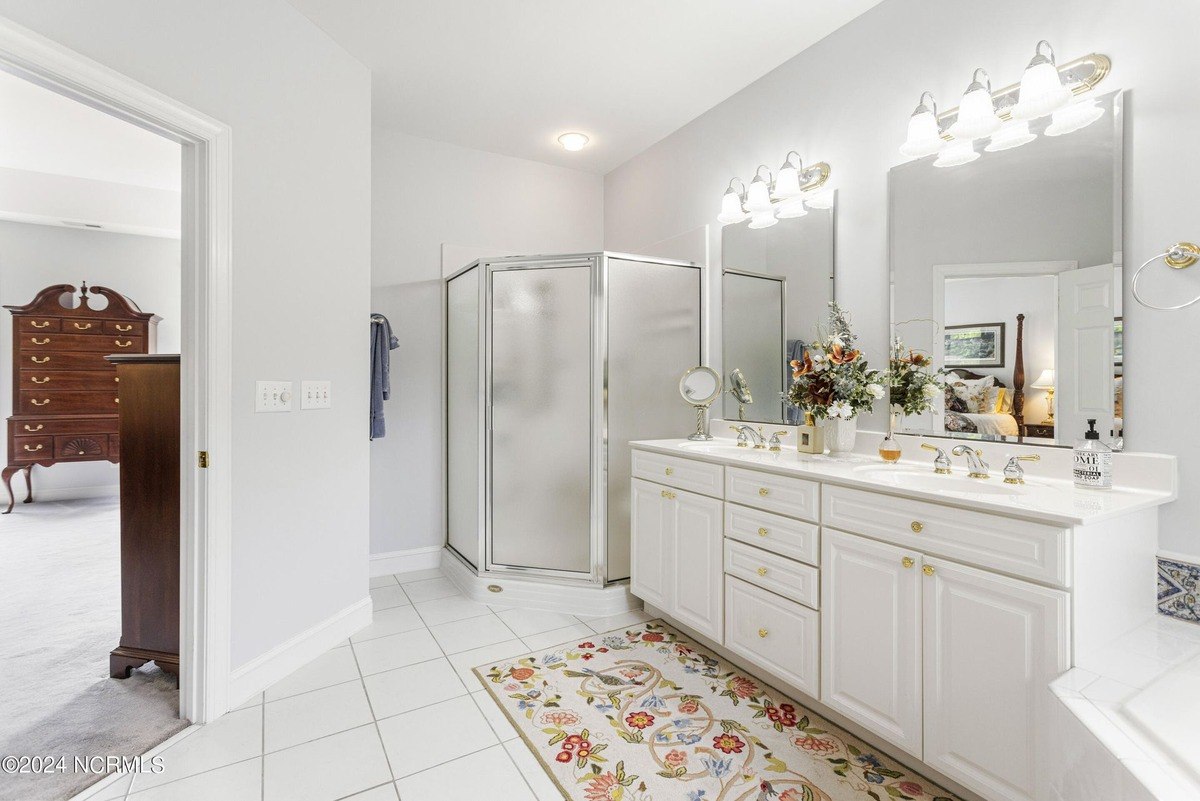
(272, 396)
(315, 394)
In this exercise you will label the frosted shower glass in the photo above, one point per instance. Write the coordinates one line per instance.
(463, 409)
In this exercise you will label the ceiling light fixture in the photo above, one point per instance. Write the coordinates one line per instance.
(573, 141)
(769, 198)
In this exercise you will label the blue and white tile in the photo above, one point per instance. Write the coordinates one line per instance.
(1179, 589)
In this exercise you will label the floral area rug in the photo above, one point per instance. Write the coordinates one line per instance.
(646, 715)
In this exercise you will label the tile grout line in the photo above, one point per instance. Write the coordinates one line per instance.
(374, 720)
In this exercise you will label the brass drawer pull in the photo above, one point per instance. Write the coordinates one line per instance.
(916, 526)
(83, 326)
(928, 570)
(907, 561)
(670, 471)
(32, 448)
(763, 491)
(117, 378)
(44, 341)
(762, 633)
(124, 327)
(762, 532)
(31, 428)
(127, 343)
(116, 400)
(37, 380)
(42, 360)
(670, 496)
(37, 402)
(762, 571)
(36, 324)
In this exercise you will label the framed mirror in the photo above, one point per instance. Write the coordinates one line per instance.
(1006, 271)
(700, 386)
(776, 286)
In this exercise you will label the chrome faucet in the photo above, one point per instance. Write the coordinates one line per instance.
(941, 463)
(775, 443)
(976, 467)
(1013, 472)
(746, 432)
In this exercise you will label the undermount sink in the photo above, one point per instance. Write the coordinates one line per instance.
(929, 481)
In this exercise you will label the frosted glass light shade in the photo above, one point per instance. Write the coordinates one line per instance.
(960, 151)
(763, 219)
(758, 196)
(731, 208)
(821, 200)
(924, 136)
(1073, 117)
(1014, 134)
(1042, 89)
(976, 115)
(791, 209)
(787, 182)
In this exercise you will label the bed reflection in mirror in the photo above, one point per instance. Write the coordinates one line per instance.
(776, 286)
(1006, 271)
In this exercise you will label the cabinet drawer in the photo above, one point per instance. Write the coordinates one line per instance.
(45, 426)
(35, 343)
(83, 326)
(81, 446)
(776, 635)
(119, 328)
(794, 497)
(67, 402)
(773, 572)
(36, 324)
(40, 362)
(782, 535)
(28, 449)
(50, 380)
(686, 474)
(1017, 547)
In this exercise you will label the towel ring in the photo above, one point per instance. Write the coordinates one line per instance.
(1177, 257)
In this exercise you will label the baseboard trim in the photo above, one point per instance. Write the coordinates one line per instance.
(406, 561)
(261, 672)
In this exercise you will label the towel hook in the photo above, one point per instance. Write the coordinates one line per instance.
(1177, 257)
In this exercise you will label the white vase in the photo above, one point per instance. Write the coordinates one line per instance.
(840, 434)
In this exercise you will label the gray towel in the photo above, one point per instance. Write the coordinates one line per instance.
(382, 342)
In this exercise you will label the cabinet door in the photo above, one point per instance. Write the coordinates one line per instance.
(651, 518)
(696, 568)
(992, 644)
(871, 635)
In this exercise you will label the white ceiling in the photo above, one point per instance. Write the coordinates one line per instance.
(45, 132)
(510, 76)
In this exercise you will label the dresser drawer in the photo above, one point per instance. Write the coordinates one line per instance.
(119, 328)
(36, 324)
(81, 447)
(686, 474)
(794, 497)
(1017, 547)
(67, 402)
(82, 326)
(49, 425)
(98, 380)
(29, 449)
(776, 635)
(794, 539)
(773, 572)
(81, 360)
(55, 343)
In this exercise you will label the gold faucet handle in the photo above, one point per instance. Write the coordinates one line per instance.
(1028, 457)
(775, 444)
(930, 446)
(1013, 474)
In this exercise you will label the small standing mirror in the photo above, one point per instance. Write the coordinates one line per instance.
(700, 386)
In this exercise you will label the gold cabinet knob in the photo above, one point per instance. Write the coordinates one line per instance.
(762, 633)
(36, 324)
(907, 561)
(763, 491)
(37, 402)
(916, 526)
(762, 571)
(83, 326)
(37, 380)
(41, 360)
(762, 532)
(118, 400)
(928, 570)
(124, 344)
(670, 471)
(33, 448)
(42, 341)
(38, 427)
(670, 496)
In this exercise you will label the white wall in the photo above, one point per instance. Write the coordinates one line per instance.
(847, 99)
(300, 111)
(144, 269)
(427, 194)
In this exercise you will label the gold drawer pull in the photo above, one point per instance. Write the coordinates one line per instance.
(916, 526)
(763, 491)
(44, 341)
(124, 327)
(907, 561)
(37, 380)
(762, 532)
(762, 633)
(928, 570)
(117, 378)
(42, 360)
(31, 428)
(32, 448)
(127, 343)
(83, 326)
(116, 400)
(670, 496)
(670, 471)
(37, 402)
(762, 571)
(36, 324)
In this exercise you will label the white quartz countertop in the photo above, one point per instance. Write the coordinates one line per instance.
(1045, 499)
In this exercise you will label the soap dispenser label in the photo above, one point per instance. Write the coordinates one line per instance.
(1093, 469)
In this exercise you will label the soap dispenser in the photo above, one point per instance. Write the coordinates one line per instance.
(1093, 460)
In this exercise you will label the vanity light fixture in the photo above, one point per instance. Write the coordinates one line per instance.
(1014, 133)
(1074, 117)
(763, 219)
(821, 200)
(791, 209)
(1042, 88)
(573, 141)
(758, 196)
(924, 134)
(731, 204)
(768, 199)
(787, 183)
(977, 112)
(956, 152)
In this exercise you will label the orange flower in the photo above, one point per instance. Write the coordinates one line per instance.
(521, 673)
(802, 368)
(602, 788)
(729, 743)
(839, 355)
(639, 719)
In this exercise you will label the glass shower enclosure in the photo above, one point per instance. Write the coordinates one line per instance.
(553, 365)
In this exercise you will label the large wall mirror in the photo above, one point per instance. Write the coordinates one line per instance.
(776, 286)
(1007, 272)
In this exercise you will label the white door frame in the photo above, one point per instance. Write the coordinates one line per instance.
(206, 360)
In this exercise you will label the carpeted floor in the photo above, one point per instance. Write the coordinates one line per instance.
(59, 617)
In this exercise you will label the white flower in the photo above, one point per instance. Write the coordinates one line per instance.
(930, 390)
(835, 340)
(840, 409)
(875, 391)
(818, 358)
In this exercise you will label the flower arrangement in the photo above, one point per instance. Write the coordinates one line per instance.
(912, 386)
(833, 379)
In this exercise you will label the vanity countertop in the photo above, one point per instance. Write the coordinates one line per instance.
(1044, 499)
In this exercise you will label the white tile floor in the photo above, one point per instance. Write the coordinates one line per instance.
(395, 713)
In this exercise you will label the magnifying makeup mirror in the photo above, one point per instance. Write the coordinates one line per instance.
(740, 389)
(700, 386)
